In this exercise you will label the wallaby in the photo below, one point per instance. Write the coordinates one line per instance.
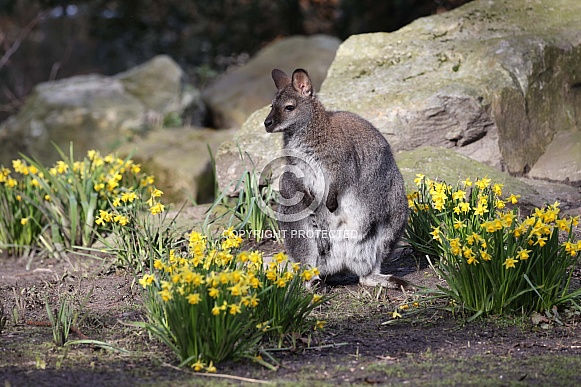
(363, 210)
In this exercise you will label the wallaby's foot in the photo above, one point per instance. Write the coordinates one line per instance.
(316, 284)
(386, 280)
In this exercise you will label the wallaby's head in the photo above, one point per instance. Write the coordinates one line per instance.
(292, 105)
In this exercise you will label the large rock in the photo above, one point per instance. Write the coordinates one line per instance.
(561, 161)
(180, 161)
(493, 80)
(160, 86)
(94, 111)
(242, 90)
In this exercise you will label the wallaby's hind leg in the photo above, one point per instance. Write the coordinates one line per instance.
(387, 280)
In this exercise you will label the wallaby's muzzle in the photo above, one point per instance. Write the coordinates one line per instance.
(268, 124)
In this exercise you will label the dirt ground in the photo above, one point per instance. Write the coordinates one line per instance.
(362, 343)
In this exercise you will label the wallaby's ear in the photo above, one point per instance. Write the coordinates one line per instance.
(281, 80)
(302, 82)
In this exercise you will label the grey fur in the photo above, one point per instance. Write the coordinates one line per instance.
(364, 193)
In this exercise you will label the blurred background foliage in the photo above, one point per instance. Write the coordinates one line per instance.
(42, 40)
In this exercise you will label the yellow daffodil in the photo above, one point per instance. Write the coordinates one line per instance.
(234, 309)
(509, 262)
(458, 224)
(210, 368)
(541, 241)
(480, 210)
(419, 178)
(485, 256)
(158, 264)
(199, 365)
(128, 197)
(513, 199)
(306, 275)
(157, 209)
(255, 257)
(483, 183)
(213, 292)
(459, 195)
(156, 193)
(146, 280)
(11, 183)
(436, 234)
(61, 167)
(194, 298)
(271, 275)
(280, 257)
(523, 254)
(464, 207)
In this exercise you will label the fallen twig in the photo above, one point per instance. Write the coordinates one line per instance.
(223, 376)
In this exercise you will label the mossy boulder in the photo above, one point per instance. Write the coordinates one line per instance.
(95, 111)
(180, 160)
(494, 80)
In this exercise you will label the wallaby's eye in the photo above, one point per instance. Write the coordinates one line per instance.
(289, 108)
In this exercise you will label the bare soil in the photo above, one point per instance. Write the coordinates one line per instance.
(362, 343)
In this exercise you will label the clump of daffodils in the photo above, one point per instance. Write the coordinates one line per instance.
(66, 197)
(124, 205)
(214, 302)
(492, 260)
(143, 233)
(20, 220)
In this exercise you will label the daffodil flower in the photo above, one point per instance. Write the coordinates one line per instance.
(210, 368)
(509, 263)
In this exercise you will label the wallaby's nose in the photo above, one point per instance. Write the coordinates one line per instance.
(267, 123)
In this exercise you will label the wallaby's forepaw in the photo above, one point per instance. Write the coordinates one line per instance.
(386, 280)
